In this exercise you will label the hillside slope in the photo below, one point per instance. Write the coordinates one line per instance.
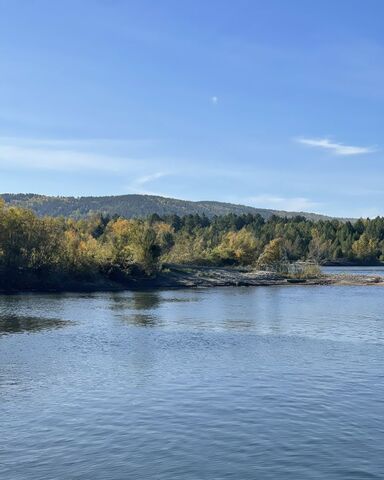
(129, 206)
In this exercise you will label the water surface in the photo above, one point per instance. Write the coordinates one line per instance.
(231, 383)
(371, 271)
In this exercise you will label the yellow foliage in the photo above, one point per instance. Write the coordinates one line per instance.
(365, 247)
(273, 256)
(240, 246)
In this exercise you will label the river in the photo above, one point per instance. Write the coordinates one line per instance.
(226, 383)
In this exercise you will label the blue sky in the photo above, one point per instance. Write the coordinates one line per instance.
(273, 103)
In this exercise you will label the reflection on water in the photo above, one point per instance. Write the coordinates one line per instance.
(130, 308)
(276, 383)
(145, 300)
(135, 301)
(140, 319)
(299, 311)
(10, 323)
(148, 300)
(145, 308)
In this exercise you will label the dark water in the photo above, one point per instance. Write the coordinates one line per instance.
(232, 383)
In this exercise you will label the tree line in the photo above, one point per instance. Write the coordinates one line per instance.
(54, 250)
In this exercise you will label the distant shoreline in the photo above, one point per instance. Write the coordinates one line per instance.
(188, 276)
(353, 264)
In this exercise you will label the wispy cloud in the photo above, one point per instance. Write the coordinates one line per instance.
(149, 178)
(56, 160)
(335, 148)
(297, 204)
(100, 157)
(139, 185)
(214, 100)
(60, 156)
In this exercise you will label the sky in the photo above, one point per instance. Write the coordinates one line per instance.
(269, 103)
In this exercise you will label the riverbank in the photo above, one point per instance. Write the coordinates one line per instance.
(182, 276)
(197, 276)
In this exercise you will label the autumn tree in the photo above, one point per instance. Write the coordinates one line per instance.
(319, 247)
(239, 247)
(134, 242)
(366, 248)
(273, 256)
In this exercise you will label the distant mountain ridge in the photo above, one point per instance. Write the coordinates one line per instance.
(134, 205)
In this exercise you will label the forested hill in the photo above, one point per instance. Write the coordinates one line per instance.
(130, 206)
